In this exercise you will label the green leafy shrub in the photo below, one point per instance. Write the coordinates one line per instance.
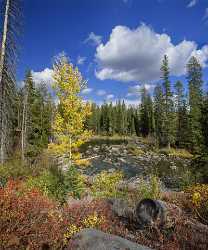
(13, 169)
(187, 179)
(74, 182)
(50, 183)
(174, 173)
(16, 169)
(105, 185)
(56, 184)
(149, 189)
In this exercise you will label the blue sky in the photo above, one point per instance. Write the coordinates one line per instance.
(117, 44)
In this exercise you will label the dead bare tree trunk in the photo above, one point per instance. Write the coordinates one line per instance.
(8, 48)
(2, 93)
(24, 125)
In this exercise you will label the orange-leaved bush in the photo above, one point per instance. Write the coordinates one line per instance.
(30, 220)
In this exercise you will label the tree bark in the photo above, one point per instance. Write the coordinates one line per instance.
(70, 151)
(24, 125)
(2, 93)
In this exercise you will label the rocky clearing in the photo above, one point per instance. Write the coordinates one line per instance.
(136, 160)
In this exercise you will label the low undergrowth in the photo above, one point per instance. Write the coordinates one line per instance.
(181, 153)
(105, 185)
(30, 220)
(199, 201)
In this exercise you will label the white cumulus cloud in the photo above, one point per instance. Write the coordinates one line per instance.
(45, 76)
(136, 55)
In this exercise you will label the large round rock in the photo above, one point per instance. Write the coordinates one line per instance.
(90, 239)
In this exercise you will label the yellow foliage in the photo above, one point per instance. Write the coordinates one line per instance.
(92, 221)
(199, 201)
(72, 111)
(83, 163)
(76, 156)
(199, 194)
(105, 184)
(71, 230)
(196, 199)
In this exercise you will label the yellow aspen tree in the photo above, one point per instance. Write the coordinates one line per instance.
(72, 111)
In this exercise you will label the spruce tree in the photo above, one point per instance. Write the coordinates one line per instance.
(27, 125)
(204, 122)
(194, 77)
(36, 117)
(159, 114)
(146, 114)
(131, 121)
(169, 129)
(181, 116)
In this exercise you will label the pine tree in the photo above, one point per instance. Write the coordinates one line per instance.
(146, 114)
(93, 121)
(194, 77)
(131, 121)
(151, 115)
(27, 125)
(169, 129)
(105, 119)
(36, 117)
(159, 114)
(111, 119)
(181, 116)
(45, 106)
(204, 121)
(119, 118)
(123, 119)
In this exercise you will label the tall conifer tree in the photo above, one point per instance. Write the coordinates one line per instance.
(194, 77)
(169, 130)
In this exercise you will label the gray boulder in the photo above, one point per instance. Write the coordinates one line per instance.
(90, 239)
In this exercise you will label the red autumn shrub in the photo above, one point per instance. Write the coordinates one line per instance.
(95, 211)
(30, 220)
(25, 218)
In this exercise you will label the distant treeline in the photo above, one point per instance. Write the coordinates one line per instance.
(173, 116)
